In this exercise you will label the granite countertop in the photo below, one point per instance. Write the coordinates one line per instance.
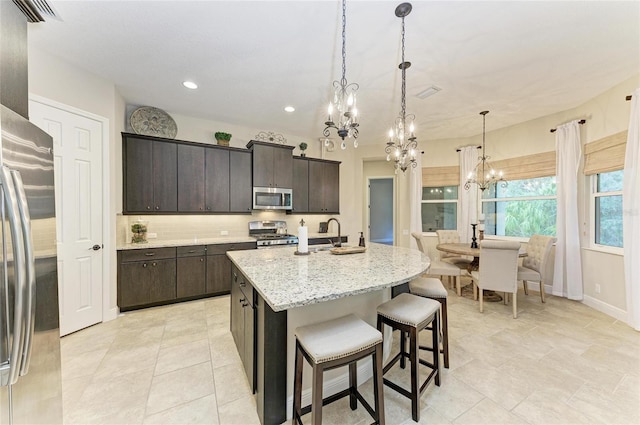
(286, 281)
(154, 243)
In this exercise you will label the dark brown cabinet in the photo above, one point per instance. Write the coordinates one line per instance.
(216, 180)
(316, 186)
(150, 175)
(300, 186)
(191, 166)
(146, 276)
(272, 165)
(240, 182)
(164, 275)
(243, 323)
(191, 271)
(174, 176)
(219, 266)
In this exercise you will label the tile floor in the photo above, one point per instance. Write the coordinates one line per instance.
(557, 363)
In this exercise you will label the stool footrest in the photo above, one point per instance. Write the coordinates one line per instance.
(397, 387)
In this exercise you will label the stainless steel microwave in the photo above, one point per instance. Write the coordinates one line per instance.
(272, 198)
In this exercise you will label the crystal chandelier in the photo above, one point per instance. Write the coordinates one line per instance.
(343, 104)
(484, 175)
(402, 142)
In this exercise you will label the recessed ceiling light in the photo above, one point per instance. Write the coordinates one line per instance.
(289, 108)
(190, 85)
(428, 92)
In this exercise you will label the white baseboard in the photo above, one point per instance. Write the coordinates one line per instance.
(608, 309)
(111, 314)
(335, 385)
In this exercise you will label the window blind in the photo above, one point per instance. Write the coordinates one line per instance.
(606, 154)
(528, 166)
(441, 176)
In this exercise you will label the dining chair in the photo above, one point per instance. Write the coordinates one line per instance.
(452, 236)
(534, 264)
(437, 267)
(498, 270)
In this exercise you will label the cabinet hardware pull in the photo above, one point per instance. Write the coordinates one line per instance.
(148, 207)
(154, 264)
(201, 260)
(245, 304)
(144, 265)
(192, 251)
(149, 254)
(242, 284)
(157, 207)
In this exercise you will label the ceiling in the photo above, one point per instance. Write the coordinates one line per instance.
(520, 60)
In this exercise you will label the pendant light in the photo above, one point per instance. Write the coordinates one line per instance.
(402, 145)
(342, 107)
(484, 175)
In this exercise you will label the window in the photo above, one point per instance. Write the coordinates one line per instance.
(607, 206)
(522, 208)
(439, 208)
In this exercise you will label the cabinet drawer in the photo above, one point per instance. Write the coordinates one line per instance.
(147, 254)
(192, 251)
(217, 249)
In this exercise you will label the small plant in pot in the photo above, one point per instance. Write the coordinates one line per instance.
(139, 232)
(222, 138)
(303, 148)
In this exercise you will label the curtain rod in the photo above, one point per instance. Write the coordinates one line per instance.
(458, 150)
(553, 130)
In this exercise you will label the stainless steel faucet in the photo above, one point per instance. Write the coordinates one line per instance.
(339, 242)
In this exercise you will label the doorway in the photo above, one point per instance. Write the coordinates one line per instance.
(79, 140)
(381, 210)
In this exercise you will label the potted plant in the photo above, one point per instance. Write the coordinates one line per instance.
(139, 232)
(222, 138)
(303, 148)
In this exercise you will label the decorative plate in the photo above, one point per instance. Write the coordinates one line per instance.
(152, 121)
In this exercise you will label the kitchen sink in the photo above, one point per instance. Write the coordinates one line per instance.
(320, 248)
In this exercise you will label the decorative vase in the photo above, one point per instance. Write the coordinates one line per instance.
(222, 142)
(139, 232)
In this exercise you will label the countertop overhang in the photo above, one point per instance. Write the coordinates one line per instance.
(286, 281)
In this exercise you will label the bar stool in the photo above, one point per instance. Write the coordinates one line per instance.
(331, 344)
(411, 314)
(430, 287)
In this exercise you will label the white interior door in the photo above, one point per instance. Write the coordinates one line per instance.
(77, 150)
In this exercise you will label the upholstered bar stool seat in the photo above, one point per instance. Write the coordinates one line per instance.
(410, 314)
(331, 344)
(430, 287)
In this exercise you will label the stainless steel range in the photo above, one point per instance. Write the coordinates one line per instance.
(271, 234)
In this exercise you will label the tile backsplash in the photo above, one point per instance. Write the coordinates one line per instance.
(172, 227)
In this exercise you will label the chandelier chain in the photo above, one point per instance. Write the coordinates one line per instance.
(403, 94)
(344, 40)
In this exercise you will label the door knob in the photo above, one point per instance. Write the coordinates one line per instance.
(96, 247)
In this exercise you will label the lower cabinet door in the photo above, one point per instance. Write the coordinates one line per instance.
(218, 274)
(134, 281)
(190, 276)
(163, 280)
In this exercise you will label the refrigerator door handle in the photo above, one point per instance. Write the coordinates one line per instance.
(30, 263)
(15, 352)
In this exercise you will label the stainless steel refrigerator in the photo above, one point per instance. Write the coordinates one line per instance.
(30, 375)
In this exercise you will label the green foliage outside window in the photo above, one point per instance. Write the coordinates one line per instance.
(522, 208)
(608, 209)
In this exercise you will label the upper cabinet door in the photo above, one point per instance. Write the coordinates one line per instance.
(272, 165)
(331, 187)
(240, 182)
(138, 175)
(300, 185)
(165, 177)
(217, 180)
(262, 166)
(191, 161)
(316, 187)
(282, 168)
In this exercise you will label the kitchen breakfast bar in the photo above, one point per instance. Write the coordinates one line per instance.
(274, 291)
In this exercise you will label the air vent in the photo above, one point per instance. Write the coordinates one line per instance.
(428, 92)
(36, 10)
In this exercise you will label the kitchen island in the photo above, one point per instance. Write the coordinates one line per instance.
(274, 291)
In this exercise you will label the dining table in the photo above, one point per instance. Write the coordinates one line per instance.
(465, 249)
